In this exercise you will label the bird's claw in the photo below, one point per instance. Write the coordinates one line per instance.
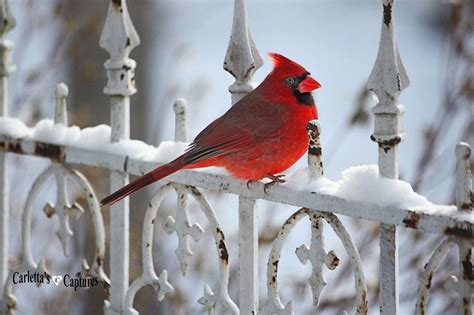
(251, 181)
(276, 179)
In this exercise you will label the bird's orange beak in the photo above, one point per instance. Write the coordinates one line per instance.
(309, 84)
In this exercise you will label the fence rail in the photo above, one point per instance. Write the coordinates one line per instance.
(387, 80)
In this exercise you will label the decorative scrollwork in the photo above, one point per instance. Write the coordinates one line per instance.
(64, 210)
(213, 301)
(180, 224)
(427, 275)
(318, 258)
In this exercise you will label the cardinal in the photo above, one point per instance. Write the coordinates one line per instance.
(259, 137)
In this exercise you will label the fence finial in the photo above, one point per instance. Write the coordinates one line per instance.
(180, 130)
(242, 58)
(118, 38)
(389, 74)
(315, 154)
(387, 80)
(60, 114)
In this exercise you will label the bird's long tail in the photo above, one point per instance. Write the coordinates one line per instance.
(142, 181)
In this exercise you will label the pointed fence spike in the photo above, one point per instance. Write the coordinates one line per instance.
(242, 57)
(389, 74)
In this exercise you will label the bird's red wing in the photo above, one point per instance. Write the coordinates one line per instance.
(242, 126)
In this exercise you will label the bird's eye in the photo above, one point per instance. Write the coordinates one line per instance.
(290, 81)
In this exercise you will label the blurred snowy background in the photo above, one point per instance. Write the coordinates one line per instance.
(181, 55)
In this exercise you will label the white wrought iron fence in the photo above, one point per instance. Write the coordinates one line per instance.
(387, 80)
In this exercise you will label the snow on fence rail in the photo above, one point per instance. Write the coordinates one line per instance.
(319, 198)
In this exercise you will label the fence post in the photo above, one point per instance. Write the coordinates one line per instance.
(387, 80)
(6, 67)
(464, 203)
(241, 61)
(118, 38)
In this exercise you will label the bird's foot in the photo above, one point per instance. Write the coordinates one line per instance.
(276, 179)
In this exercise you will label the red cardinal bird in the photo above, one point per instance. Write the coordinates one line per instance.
(260, 136)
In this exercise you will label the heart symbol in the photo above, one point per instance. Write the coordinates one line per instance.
(57, 279)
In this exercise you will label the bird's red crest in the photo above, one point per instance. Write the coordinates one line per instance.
(286, 65)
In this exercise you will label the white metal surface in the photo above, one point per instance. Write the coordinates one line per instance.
(387, 80)
(424, 219)
(6, 67)
(248, 255)
(118, 38)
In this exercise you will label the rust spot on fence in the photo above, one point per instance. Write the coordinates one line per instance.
(467, 267)
(466, 206)
(422, 304)
(275, 265)
(219, 231)
(126, 67)
(316, 222)
(335, 262)
(412, 220)
(225, 186)
(312, 128)
(315, 151)
(430, 278)
(466, 306)
(99, 260)
(387, 14)
(125, 163)
(117, 5)
(364, 305)
(385, 143)
(127, 43)
(399, 82)
(290, 219)
(223, 254)
(15, 147)
(11, 146)
(52, 151)
(460, 231)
